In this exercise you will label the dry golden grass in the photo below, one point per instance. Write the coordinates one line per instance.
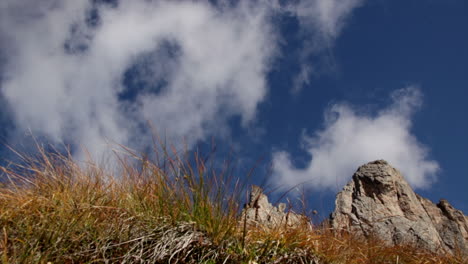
(53, 209)
(293, 245)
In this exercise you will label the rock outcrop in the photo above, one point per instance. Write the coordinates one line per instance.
(379, 202)
(259, 212)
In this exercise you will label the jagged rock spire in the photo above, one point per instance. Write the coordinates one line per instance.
(259, 211)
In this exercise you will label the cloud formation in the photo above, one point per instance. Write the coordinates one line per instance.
(321, 22)
(90, 72)
(329, 16)
(350, 139)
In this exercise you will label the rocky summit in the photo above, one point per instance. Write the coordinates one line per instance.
(379, 202)
(260, 212)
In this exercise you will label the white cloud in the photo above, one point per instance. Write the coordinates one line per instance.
(219, 72)
(350, 139)
(321, 22)
(64, 77)
(329, 16)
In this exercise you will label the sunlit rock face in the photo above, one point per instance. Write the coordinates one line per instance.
(379, 202)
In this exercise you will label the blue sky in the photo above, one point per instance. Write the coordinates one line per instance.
(313, 87)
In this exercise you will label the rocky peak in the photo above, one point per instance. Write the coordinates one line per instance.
(379, 202)
(259, 211)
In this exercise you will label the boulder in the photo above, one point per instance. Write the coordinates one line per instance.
(379, 202)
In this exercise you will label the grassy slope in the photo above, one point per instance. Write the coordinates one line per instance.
(55, 210)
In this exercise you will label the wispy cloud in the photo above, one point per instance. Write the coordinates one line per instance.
(191, 65)
(321, 23)
(350, 139)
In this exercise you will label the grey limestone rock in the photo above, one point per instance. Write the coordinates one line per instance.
(260, 212)
(379, 202)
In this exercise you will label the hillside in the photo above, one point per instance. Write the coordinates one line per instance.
(56, 210)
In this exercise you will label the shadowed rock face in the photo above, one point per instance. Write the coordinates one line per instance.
(258, 211)
(379, 202)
